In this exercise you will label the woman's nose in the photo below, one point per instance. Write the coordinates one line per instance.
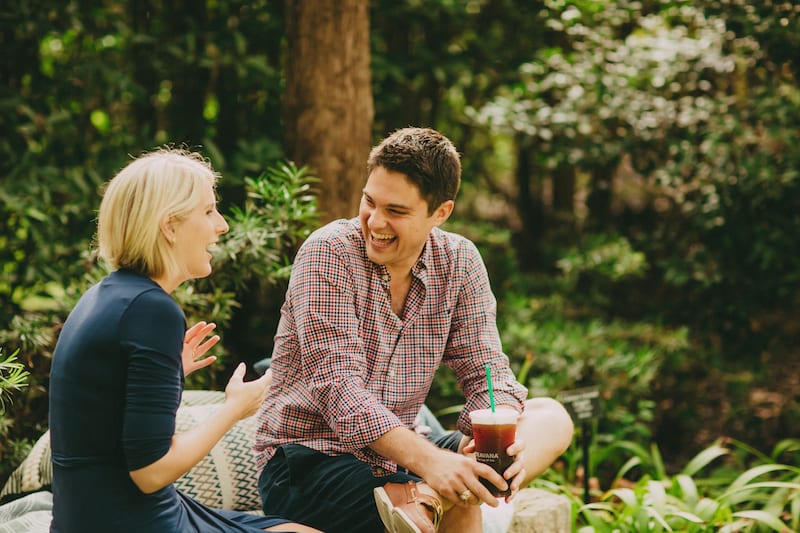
(222, 225)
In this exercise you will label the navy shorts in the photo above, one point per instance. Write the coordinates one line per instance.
(331, 493)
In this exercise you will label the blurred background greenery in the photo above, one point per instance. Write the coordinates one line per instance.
(630, 176)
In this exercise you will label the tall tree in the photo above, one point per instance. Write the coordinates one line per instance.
(328, 108)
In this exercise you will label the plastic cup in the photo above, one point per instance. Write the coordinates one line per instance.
(494, 432)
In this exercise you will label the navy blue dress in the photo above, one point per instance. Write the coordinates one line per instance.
(115, 386)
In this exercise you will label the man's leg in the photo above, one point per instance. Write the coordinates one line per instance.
(461, 518)
(546, 429)
(333, 494)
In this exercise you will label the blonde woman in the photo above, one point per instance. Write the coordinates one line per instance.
(120, 361)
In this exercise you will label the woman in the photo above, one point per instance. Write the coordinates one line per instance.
(120, 361)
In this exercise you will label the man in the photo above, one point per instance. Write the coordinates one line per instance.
(374, 306)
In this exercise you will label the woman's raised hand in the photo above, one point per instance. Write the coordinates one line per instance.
(194, 347)
(247, 396)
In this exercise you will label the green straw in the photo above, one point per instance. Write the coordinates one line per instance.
(491, 389)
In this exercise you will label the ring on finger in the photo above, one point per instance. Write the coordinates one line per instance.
(465, 496)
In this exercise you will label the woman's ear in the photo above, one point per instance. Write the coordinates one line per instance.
(168, 229)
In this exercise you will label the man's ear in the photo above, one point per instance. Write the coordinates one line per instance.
(443, 212)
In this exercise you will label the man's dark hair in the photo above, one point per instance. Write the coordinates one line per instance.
(426, 157)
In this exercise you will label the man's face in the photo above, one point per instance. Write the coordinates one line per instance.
(395, 221)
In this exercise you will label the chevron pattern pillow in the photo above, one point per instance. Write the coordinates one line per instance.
(225, 479)
(33, 475)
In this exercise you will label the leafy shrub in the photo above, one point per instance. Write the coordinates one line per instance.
(13, 378)
(559, 334)
(727, 487)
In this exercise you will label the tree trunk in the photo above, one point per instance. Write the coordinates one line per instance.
(141, 52)
(185, 122)
(599, 198)
(529, 206)
(564, 194)
(328, 108)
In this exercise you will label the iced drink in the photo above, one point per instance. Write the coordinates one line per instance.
(494, 432)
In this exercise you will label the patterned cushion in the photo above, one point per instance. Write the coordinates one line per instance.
(225, 479)
(31, 514)
(33, 474)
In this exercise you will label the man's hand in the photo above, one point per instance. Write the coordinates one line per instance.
(452, 474)
(515, 472)
(194, 347)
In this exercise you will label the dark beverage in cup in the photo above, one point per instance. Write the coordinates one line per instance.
(494, 432)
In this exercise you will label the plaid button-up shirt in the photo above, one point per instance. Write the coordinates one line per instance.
(347, 369)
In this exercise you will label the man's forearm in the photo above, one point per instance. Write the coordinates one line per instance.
(406, 448)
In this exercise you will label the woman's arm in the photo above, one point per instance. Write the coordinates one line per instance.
(242, 399)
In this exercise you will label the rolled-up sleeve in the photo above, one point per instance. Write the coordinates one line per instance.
(475, 342)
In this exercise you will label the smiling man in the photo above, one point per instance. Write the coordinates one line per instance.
(374, 306)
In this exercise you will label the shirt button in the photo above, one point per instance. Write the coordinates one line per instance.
(385, 277)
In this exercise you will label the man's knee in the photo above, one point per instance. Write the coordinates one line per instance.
(543, 412)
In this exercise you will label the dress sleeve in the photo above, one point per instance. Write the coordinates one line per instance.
(152, 333)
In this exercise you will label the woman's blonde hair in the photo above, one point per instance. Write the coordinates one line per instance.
(154, 189)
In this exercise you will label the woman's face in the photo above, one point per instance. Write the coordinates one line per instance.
(196, 234)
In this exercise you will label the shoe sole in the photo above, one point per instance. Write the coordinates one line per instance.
(402, 522)
(385, 508)
(394, 520)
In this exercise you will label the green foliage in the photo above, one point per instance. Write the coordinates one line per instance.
(278, 215)
(680, 125)
(735, 190)
(613, 260)
(557, 332)
(429, 78)
(599, 261)
(728, 486)
(253, 258)
(13, 377)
